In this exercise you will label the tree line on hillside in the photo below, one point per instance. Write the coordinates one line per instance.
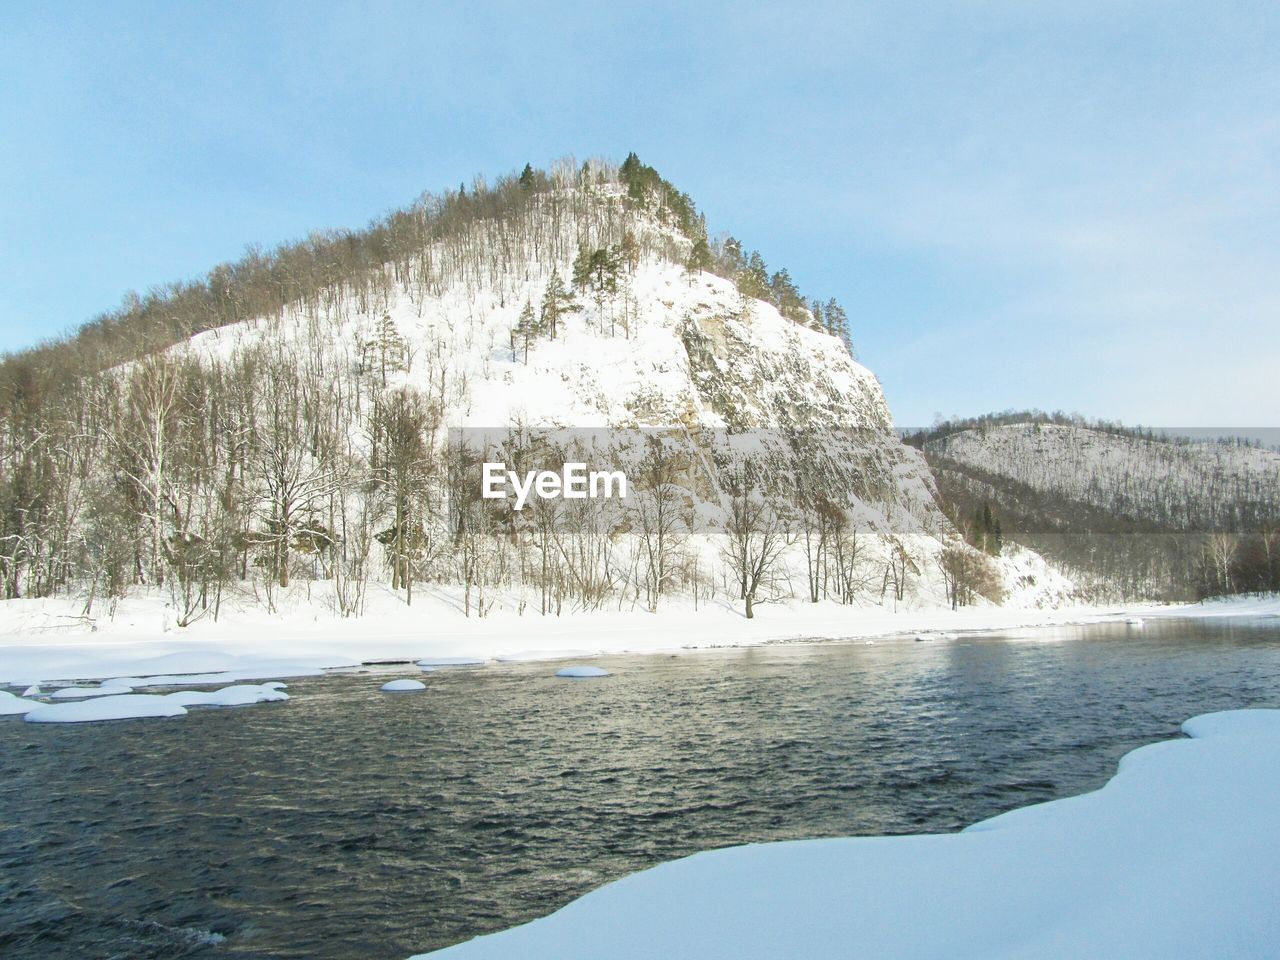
(1112, 554)
(302, 461)
(943, 428)
(484, 235)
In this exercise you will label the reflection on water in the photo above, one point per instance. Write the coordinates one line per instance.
(351, 823)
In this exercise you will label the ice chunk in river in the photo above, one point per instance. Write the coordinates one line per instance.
(125, 706)
(581, 673)
(10, 705)
(237, 695)
(403, 686)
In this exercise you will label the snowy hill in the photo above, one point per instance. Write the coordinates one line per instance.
(317, 416)
(1150, 515)
(1176, 485)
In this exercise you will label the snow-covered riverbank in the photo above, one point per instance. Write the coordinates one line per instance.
(1178, 856)
(44, 640)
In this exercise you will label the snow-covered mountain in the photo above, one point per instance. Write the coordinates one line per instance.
(310, 415)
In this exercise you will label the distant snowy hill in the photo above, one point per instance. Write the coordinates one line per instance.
(1137, 509)
(1174, 484)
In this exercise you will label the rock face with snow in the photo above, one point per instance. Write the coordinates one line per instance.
(670, 350)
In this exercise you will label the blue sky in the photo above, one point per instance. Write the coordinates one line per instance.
(1068, 205)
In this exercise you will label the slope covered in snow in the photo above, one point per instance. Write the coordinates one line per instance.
(1176, 857)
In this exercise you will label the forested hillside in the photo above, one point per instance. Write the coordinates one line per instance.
(316, 414)
(1144, 514)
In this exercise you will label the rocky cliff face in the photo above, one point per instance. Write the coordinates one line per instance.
(665, 348)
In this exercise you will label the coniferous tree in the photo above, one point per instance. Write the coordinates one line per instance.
(556, 301)
(838, 325)
(526, 327)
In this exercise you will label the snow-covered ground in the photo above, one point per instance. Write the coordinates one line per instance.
(1178, 856)
(45, 640)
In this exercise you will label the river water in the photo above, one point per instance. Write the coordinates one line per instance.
(348, 823)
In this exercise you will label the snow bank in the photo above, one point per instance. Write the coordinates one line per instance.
(253, 646)
(128, 706)
(138, 661)
(582, 672)
(1176, 858)
(402, 686)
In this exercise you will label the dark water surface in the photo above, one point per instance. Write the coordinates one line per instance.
(348, 823)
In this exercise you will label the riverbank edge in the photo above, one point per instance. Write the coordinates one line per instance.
(41, 641)
(1173, 858)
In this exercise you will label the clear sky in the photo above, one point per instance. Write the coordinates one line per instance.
(1069, 205)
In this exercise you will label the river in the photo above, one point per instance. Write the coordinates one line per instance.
(349, 823)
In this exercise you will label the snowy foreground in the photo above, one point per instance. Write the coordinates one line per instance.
(1177, 857)
(43, 640)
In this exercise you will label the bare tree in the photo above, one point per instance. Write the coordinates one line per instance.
(756, 536)
(660, 514)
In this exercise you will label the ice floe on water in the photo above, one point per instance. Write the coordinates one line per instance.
(22, 666)
(402, 686)
(1174, 859)
(103, 704)
(237, 695)
(107, 688)
(127, 706)
(451, 662)
(581, 673)
(532, 656)
(11, 705)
